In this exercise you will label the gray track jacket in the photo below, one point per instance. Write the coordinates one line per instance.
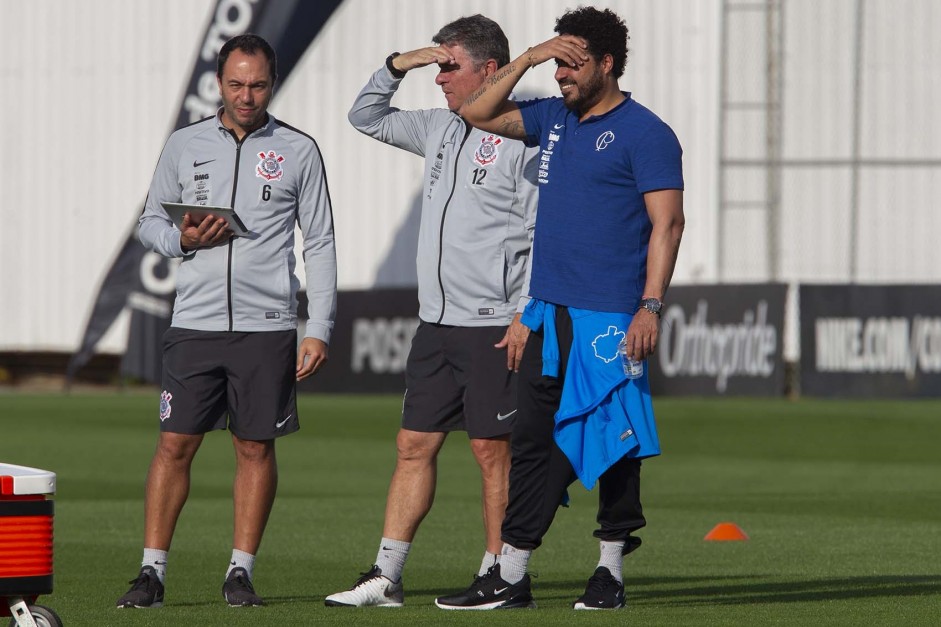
(478, 208)
(274, 178)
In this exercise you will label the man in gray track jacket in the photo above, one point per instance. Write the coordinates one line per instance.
(478, 213)
(231, 358)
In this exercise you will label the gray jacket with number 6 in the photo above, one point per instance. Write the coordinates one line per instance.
(479, 195)
(274, 178)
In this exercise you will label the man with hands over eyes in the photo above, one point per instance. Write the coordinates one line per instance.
(606, 242)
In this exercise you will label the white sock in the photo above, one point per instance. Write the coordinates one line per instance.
(489, 560)
(513, 563)
(391, 558)
(612, 558)
(158, 560)
(241, 559)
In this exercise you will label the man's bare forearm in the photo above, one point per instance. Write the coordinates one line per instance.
(666, 208)
(662, 252)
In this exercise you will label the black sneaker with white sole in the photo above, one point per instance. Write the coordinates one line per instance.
(238, 590)
(146, 590)
(603, 592)
(490, 592)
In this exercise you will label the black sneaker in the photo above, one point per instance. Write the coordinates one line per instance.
(146, 590)
(238, 590)
(490, 592)
(603, 592)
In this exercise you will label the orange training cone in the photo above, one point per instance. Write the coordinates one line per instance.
(726, 531)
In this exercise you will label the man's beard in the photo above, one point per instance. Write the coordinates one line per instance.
(588, 94)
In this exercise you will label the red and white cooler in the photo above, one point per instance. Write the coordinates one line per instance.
(26, 544)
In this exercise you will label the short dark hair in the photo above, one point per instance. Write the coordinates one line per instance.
(249, 44)
(605, 32)
(481, 37)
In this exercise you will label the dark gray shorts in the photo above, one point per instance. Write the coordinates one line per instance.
(457, 381)
(243, 381)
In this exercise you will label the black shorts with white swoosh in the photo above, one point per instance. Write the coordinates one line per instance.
(458, 381)
(241, 381)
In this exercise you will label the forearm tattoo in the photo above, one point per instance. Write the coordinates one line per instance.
(511, 128)
(493, 80)
(499, 76)
(474, 96)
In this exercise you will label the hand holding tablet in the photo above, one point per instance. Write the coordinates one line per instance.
(177, 211)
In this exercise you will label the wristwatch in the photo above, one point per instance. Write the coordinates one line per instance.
(653, 305)
(396, 73)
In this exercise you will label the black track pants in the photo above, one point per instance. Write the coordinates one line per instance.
(540, 472)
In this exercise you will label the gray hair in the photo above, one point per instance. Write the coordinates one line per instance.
(481, 37)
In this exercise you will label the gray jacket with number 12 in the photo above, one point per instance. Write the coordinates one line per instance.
(479, 195)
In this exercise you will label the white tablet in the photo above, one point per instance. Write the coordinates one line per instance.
(177, 210)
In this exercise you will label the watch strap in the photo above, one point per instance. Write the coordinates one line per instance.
(395, 72)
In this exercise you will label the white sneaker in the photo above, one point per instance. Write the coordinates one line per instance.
(370, 590)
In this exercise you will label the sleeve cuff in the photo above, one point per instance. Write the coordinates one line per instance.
(318, 330)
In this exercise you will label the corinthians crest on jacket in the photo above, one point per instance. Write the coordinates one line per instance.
(269, 168)
(487, 152)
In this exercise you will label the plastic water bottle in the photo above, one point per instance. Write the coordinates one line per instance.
(632, 368)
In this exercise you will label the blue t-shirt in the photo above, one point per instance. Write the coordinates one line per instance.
(592, 227)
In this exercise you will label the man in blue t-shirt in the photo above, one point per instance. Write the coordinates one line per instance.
(608, 230)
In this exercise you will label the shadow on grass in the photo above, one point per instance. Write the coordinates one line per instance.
(758, 589)
(721, 590)
(564, 588)
(287, 599)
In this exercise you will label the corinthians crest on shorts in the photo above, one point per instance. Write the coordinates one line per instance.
(269, 168)
(165, 408)
(487, 152)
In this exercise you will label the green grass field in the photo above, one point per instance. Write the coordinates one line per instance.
(841, 500)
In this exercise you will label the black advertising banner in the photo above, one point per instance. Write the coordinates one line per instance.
(715, 340)
(870, 340)
(121, 280)
(370, 342)
(721, 340)
(145, 281)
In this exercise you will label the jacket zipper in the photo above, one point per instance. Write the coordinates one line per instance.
(444, 212)
(228, 273)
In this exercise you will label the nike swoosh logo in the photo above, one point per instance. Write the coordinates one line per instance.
(196, 164)
(280, 424)
(388, 592)
(558, 126)
(500, 591)
(505, 416)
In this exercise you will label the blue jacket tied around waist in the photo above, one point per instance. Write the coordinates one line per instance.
(603, 415)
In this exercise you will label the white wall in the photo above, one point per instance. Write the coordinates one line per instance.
(899, 213)
(91, 90)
